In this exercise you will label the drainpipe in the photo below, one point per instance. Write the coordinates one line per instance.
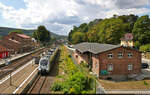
(90, 59)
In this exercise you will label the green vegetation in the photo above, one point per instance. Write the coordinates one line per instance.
(145, 83)
(141, 30)
(145, 48)
(42, 35)
(0, 37)
(110, 30)
(17, 31)
(5, 31)
(73, 80)
(53, 56)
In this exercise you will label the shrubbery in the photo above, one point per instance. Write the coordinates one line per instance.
(76, 81)
(145, 48)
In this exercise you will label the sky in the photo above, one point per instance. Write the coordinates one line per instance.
(59, 16)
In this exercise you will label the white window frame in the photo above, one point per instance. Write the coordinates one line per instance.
(110, 55)
(120, 54)
(130, 67)
(130, 54)
(110, 67)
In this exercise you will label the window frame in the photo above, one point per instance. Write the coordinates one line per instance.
(108, 55)
(130, 55)
(120, 53)
(108, 67)
(130, 67)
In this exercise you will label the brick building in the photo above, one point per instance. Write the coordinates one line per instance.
(17, 43)
(109, 61)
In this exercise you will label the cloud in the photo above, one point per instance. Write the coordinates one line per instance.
(59, 16)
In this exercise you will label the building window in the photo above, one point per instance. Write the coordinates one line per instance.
(120, 55)
(130, 54)
(130, 67)
(110, 67)
(110, 55)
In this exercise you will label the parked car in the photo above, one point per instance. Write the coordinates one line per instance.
(144, 65)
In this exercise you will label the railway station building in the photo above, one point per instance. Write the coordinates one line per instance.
(109, 61)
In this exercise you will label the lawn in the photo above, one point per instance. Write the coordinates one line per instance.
(137, 85)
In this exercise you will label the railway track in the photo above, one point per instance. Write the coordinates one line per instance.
(38, 84)
(4, 71)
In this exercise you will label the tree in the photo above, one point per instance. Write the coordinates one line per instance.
(19, 31)
(42, 34)
(78, 37)
(110, 31)
(145, 48)
(141, 30)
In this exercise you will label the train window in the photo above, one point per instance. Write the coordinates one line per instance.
(44, 62)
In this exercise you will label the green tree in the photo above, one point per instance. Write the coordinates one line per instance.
(19, 31)
(42, 34)
(141, 30)
(145, 48)
(110, 31)
(78, 37)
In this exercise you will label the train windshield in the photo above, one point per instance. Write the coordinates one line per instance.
(44, 62)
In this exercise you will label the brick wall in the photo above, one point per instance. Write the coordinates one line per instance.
(25, 44)
(120, 65)
(95, 64)
(81, 57)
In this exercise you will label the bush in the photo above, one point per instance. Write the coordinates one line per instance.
(145, 83)
(84, 64)
(69, 55)
(57, 86)
(145, 48)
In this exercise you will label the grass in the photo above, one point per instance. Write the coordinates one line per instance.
(137, 85)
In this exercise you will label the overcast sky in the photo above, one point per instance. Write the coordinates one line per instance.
(59, 16)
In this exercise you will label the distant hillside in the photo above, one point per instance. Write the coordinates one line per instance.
(5, 30)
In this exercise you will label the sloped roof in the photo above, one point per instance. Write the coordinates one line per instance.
(127, 37)
(94, 47)
(23, 36)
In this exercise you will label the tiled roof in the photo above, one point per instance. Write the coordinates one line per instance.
(23, 36)
(94, 47)
(127, 37)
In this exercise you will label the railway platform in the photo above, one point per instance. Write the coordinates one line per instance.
(19, 79)
(14, 57)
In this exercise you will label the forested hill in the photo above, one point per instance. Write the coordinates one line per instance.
(5, 30)
(110, 30)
